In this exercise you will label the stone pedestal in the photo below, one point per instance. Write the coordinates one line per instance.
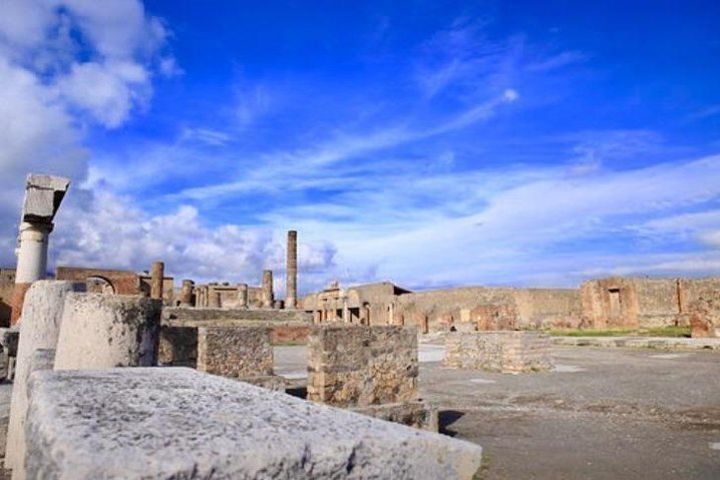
(104, 331)
(507, 352)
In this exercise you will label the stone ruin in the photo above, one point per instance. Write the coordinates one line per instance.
(372, 370)
(704, 316)
(43, 195)
(76, 414)
(504, 352)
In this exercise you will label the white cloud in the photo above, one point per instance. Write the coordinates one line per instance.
(105, 230)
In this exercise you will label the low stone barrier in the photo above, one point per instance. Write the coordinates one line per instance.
(507, 352)
(659, 343)
(351, 366)
(159, 423)
(235, 352)
(250, 314)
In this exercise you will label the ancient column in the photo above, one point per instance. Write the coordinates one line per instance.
(345, 310)
(242, 295)
(186, 292)
(291, 282)
(268, 297)
(157, 274)
(43, 195)
(106, 331)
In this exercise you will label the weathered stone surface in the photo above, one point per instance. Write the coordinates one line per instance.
(508, 352)
(235, 352)
(705, 316)
(43, 310)
(159, 423)
(41, 359)
(43, 194)
(362, 365)
(103, 331)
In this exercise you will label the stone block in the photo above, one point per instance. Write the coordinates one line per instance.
(362, 365)
(235, 352)
(159, 423)
(103, 331)
(705, 316)
(507, 352)
(42, 313)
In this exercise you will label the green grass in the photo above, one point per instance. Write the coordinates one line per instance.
(670, 331)
(611, 332)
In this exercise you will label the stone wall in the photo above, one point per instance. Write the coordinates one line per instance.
(361, 366)
(488, 308)
(621, 302)
(507, 352)
(202, 314)
(235, 352)
(178, 346)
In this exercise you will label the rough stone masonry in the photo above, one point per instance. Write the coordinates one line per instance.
(356, 366)
(507, 352)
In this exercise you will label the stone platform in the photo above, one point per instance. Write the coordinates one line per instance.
(178, 423)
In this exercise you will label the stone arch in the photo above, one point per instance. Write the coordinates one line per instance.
(99, 284)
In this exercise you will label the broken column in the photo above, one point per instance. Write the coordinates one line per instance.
(43, 194)
(157, 274)
(268, 297)
(291, 283)
(186, 293)
(105, 331)
(242, 295)
(39, 329)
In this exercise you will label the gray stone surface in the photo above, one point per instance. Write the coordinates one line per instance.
(104, 331)
(43, 195)
(178, 423)
(42, 313)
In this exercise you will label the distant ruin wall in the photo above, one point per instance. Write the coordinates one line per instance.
(532, 308)
(361, 366)
(268, 315)
(7, 287)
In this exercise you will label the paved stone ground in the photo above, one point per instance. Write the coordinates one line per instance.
(602, 414)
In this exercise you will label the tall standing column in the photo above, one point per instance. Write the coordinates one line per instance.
(242, 295)
(268, 297)
(43, 195)
(186, 292)
(291, 282)
(157, 274)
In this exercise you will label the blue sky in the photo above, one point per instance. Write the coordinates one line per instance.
(429, 143)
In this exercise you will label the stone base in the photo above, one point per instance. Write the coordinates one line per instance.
(412, 414)
(159, 423)
(506, 352)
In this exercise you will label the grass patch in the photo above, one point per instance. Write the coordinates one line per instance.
(612, 332)
(670, 331)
